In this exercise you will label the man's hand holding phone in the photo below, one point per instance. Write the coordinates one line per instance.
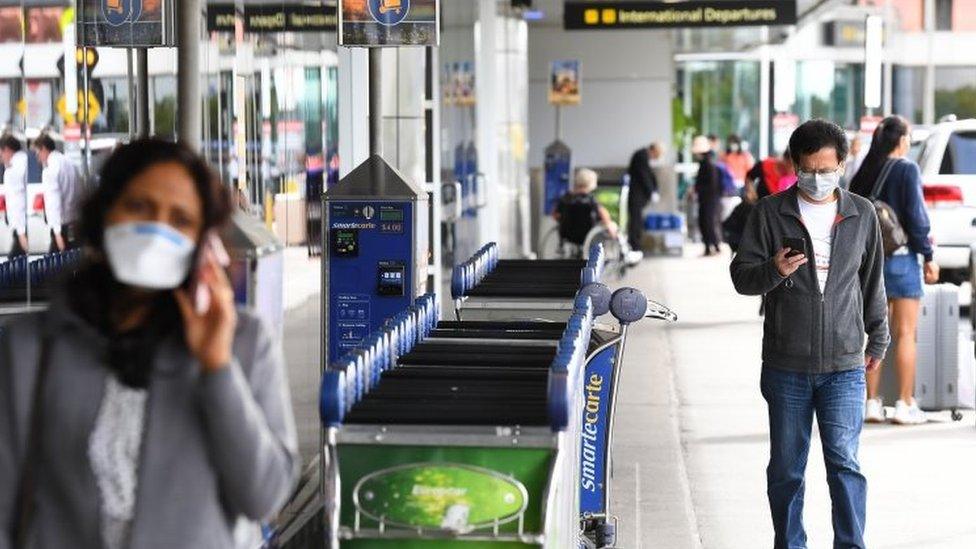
(791, 257)
(207, 307)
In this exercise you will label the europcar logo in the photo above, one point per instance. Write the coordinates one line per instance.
(389, 12)
(119, 12)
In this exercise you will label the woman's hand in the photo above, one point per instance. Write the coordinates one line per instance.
(931, 271)
(210, 334)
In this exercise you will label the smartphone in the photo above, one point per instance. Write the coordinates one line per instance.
(797, 246)
(211, 249)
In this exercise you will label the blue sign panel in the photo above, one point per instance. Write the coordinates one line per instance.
(119, 12)
(594, 445)
(557, 172)
(389, 12)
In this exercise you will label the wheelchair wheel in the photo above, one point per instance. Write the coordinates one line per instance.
(553, 247)
(614, 250)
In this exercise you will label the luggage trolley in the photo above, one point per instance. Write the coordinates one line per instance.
(488, 288)
(429, 446)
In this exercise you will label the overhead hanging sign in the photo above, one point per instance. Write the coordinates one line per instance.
(127, 23)
(390, 23)
(669, 15)
(262, 18)
(221, 18)
(564, 82)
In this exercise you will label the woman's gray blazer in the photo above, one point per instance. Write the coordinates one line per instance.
(216, 446)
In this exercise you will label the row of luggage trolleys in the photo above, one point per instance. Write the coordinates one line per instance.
(21, 273)
(488, 288)
(453, 434)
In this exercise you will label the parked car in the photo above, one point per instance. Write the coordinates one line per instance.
(948, 164)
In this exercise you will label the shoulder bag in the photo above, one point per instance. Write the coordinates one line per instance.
(892, 233)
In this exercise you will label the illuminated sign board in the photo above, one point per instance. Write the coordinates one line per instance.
(671, 15)
(221, 17)
(127, 23)
(290, 18)
(379, 23)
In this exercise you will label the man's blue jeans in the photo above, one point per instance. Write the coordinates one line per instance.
(838, 401)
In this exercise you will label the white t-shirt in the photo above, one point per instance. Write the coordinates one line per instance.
(819, 220)
(15, 191)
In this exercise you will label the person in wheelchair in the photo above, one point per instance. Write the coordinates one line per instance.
(578, 210)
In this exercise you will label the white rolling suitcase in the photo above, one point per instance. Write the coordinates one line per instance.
(945, 374)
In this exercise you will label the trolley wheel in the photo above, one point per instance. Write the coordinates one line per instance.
(956, 415)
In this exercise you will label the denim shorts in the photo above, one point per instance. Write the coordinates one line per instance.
(903, 277)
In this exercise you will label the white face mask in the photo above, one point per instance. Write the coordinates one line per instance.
(148, 255)
(818, 186)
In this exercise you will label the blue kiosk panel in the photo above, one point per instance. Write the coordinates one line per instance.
(370, 268)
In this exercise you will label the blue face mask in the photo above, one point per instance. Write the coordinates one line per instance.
(818, 186)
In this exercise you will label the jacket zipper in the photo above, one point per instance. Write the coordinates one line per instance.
(823, 299)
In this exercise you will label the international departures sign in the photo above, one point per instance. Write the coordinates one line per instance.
(262, 18)
(665, 15)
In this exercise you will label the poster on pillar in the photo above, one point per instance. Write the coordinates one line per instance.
(564, 82)
(127, 23)
(388, 23)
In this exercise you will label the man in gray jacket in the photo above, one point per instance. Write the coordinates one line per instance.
(815, 253)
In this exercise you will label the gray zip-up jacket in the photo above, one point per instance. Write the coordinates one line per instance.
(806, 330)
(216, 446)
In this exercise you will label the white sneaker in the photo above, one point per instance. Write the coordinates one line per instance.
(908, 414)
(874, 411)
(633, 257)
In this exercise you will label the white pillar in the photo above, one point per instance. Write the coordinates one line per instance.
(928, 101)
(764, 102)
(486, 114)
(353, 108)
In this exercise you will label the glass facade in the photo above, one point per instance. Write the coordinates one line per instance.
(722, 97)
(908, 92)
(955, 91)
(830, 90)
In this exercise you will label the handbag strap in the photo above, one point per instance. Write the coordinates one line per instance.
(882, 177)
(25, 496)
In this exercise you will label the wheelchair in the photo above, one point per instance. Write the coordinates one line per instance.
(553, 246)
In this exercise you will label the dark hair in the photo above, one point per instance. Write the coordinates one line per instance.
(94, 293)
(8, 141)
(131, 159)
(45, 142)
(886, 138)
(712, 137)
(814, 135)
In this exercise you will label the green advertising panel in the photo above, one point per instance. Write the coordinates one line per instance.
(447, 496)
(461, 490)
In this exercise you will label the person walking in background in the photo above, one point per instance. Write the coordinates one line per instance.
(62, 193)
(15, 191)
(738, 160)
(886, 175)
(815, 253)
(141, 409)
(708, 188)
(770, 176)
(643, 187)
(854, 159)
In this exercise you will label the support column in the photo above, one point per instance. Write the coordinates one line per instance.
(142, 92)
(188, 76)
(486, 115)
(375, 102)
(765, 101)
(353, 108)
(928, 95)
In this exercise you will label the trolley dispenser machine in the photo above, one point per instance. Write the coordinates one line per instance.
(375, 253)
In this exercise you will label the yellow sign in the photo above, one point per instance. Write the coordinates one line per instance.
(94, 108)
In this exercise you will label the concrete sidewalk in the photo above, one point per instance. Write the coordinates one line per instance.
(692, 440)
